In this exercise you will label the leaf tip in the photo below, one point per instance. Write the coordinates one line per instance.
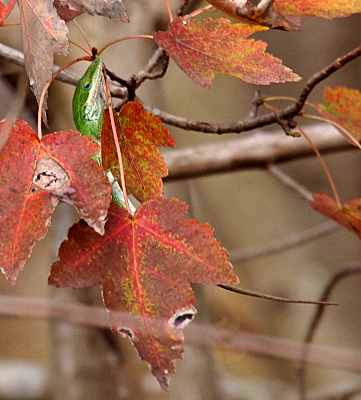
(163, 380)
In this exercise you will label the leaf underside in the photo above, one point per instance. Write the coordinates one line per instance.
(348, 216)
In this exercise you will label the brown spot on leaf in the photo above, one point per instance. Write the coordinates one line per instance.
(50, 176)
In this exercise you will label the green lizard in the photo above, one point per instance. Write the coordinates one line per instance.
(88, 108)
(88, 105)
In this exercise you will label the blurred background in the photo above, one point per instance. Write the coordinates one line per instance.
(44, 359)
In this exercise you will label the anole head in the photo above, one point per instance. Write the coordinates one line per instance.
(87, 104)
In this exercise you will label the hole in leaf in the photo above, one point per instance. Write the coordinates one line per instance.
(182, 318)
(126, 332)
(179, 320)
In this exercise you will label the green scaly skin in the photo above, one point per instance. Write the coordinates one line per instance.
(88, 110)
(88, 106)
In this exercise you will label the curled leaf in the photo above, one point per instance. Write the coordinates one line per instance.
(349, 215)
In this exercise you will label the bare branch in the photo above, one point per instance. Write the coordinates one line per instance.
(286, 180)
(254, 151)
(252, 293)
(67, 76)
(148, 71)
(344, 358)
(286, 113)
(288, 243)
(336, 279)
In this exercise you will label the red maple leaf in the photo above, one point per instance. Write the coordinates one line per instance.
(215, 46)
(35, 175)
(348, 216)
(138, 133)
(144, 263)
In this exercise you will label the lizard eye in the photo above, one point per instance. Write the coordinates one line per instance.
(87, 86)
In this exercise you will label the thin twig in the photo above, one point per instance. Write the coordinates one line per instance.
(80, 47)
(339, 127)
(286, 180)
(170, 15)
(270, 297)
(84, 36)
(325, 168)
(147, 71)
(119, 153)
(285, 244)
(316, 320)
(256, 104)
(182, 8)
(123, 39)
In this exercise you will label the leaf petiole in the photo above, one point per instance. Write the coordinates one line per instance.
(117, 146)
(124, 38)
(46, 87)
(337, 126)
(324, 166)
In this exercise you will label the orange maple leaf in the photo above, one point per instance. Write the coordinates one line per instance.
(215, 46)
(139, 135)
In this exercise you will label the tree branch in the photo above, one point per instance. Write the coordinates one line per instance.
(201, 335)
(286, 113)
(289, 242)
(67, 76)
(254, 151)
(316, 320)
